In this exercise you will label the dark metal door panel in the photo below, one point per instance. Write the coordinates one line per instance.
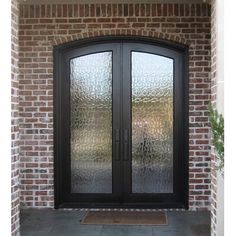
(121, 124)
(153, 125)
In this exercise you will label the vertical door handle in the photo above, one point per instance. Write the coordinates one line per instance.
(117, 144)
(126, 144)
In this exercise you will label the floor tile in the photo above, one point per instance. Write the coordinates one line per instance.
(51, 222)
(75, 230)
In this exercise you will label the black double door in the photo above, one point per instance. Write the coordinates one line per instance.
(119, 125)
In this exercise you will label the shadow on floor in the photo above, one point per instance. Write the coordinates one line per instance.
(49, 222)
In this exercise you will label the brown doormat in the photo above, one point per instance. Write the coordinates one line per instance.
(125, 218)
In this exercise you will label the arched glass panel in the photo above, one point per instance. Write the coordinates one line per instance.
(152, 123)
(91, 123)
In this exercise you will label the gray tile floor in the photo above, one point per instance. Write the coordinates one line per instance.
(67, 223)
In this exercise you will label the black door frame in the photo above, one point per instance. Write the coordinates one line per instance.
(63, 198)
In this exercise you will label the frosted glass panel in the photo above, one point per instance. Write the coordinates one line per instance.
(152, 123)
(91, 123)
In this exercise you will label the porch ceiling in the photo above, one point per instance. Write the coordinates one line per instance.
(109, 1)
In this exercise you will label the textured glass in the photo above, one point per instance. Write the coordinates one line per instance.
(91, 123)
(152, 123)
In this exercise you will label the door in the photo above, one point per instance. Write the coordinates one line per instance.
(120, 114)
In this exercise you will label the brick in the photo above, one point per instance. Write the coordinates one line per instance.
(176, 10)
(54, 11)
(148, 9)
(126, 10)
(159, 9)
(142, 9)
(108, 25)
(170, 9)
(137, 9)
(118, 20)
(90, 20)
(193, 10)
(179, 10)
(153, 25)
(59, 10)
(125, 25)
(114, 10)
(198, 10)
(131, 10)
(48, 11)
(153, 9)
(43, 11)
(120, 9)
(108, 10)
(103, 20)
(81, 10)
(165, 9)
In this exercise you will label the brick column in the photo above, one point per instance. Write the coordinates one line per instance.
(15, 193)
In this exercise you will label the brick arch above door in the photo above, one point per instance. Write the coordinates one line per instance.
(120, 32)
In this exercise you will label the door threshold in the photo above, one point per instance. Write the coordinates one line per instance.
(140, 206)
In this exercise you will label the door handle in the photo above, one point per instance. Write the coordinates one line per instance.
(126, 144)
(117, 144)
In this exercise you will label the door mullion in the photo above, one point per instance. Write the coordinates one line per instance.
(117, 139)
(126, 119)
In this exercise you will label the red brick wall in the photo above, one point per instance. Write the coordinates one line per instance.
(15, 193)
(42, 26)
(213, 101)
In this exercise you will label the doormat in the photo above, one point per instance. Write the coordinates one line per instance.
(125, 218)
